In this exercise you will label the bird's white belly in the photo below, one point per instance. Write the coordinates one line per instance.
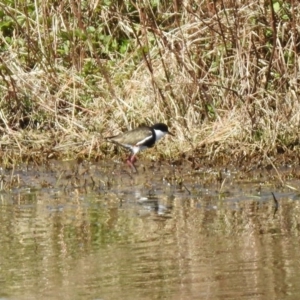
(136, 149)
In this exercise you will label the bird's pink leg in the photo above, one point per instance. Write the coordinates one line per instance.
(131, 160)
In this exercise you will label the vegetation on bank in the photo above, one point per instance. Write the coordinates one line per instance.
(224, 75)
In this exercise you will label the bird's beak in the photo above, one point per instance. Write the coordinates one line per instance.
(171, 133)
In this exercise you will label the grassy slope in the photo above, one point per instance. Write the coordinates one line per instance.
(224, 76)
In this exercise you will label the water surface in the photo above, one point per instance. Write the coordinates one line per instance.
(94, 231)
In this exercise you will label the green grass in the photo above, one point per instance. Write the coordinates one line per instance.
(224, 76)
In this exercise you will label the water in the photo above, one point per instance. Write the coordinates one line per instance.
(94, 231)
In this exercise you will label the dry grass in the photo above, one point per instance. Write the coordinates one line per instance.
(224, 75)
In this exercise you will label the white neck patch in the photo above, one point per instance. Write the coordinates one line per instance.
(159, 134)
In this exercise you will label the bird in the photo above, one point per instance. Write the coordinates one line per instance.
(139, 139)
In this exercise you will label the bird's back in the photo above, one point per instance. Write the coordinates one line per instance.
(141, 135)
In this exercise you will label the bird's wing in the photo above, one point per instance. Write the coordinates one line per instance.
(145, 132)
(132, 137)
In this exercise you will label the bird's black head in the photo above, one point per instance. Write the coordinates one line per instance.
(162, 127)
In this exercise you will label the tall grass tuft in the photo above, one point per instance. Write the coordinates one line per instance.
(223, 74)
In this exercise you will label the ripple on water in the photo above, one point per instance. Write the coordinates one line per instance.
(83, 232)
